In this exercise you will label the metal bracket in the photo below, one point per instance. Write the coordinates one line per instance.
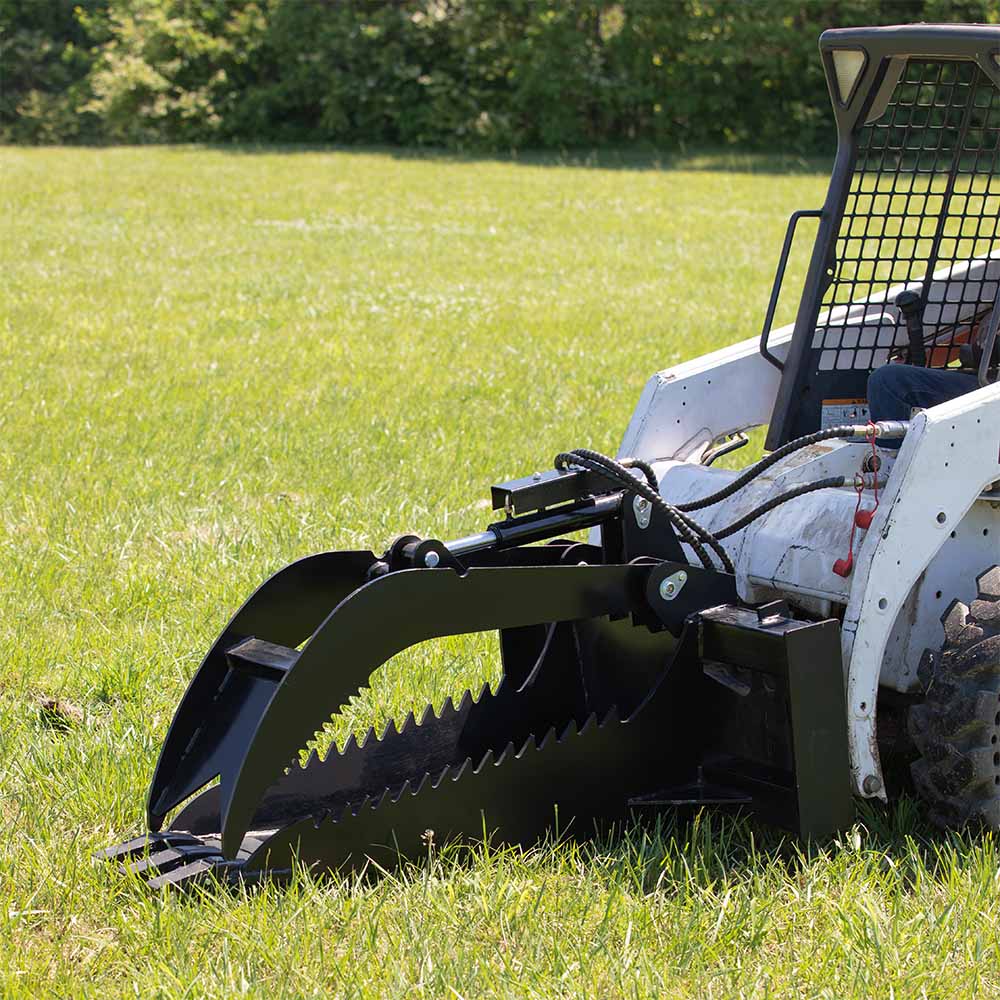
(547, 489)
(671, 586)
(643, 511)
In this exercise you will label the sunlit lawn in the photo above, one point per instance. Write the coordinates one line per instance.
(214, 362)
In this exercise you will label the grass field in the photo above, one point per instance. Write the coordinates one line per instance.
(214, 362)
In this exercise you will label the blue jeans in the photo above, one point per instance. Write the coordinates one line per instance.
(894, 390)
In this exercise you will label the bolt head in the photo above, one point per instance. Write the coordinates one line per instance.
(871, 784)
(431, 560)
(666, 588)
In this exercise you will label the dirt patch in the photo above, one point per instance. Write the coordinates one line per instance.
(59, 714)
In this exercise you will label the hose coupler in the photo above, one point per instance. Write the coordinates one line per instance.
(886, 430)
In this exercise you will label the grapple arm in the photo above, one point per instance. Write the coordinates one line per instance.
(607, 702)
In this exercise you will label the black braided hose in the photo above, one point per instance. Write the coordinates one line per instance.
(689, 530)
(820, 484)
(843, 431)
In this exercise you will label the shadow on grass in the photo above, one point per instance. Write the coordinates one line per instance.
(644, 160)
(673, 853)
(712, 847)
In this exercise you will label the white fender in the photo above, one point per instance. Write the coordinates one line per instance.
(950, 455)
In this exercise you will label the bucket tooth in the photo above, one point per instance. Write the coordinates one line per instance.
(486, 760)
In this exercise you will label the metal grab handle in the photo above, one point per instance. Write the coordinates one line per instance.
(989, 342)
(779, 277)
(911, 308)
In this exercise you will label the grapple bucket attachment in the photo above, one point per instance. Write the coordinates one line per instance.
(626, 685)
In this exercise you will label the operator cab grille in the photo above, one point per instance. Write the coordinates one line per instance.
(924, 197)
(914, 203)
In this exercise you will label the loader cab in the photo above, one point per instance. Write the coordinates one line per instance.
(913, 205)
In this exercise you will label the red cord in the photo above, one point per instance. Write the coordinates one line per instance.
(843, 567)
(862, 518)
(872, 432)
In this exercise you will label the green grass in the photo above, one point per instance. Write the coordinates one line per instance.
(214, 362)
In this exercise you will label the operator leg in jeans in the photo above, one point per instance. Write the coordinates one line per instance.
(894, 390)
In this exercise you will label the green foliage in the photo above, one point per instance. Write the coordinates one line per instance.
(463, 74)
(44, 61)
(171, 70)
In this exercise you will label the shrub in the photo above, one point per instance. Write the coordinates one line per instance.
(460, 74)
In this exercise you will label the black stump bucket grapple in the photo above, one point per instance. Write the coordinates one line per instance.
(631, 681)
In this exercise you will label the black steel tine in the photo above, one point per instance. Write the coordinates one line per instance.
(165, 860)
(188, 875)
(147, 842)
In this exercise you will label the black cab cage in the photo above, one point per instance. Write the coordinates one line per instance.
(913, 205)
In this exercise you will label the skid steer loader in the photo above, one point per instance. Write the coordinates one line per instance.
(767, 640)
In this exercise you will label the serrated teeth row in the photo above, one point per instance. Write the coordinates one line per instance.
(455, 772)
(429, 715)
(313, 755)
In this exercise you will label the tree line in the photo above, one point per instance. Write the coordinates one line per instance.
(477, 75)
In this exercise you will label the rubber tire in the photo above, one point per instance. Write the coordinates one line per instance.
(957, 727)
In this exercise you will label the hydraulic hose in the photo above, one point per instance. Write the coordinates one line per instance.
(887, 429)
(689, 530)
(777, 501)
